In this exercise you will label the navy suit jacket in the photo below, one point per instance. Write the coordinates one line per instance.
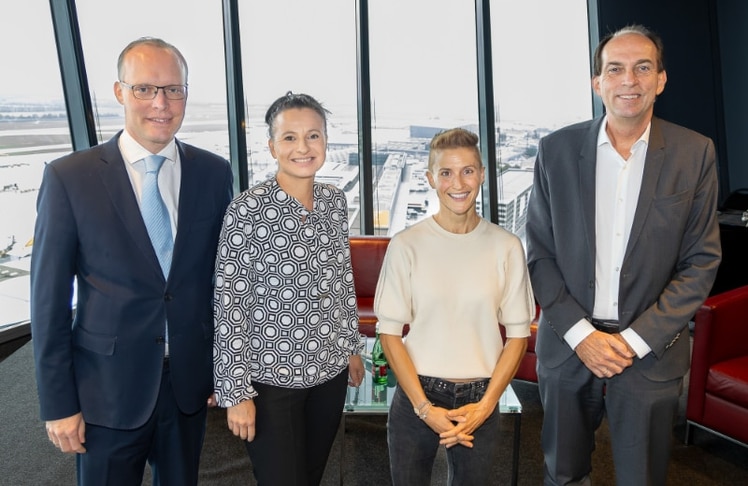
(672, 255)
(105, 357)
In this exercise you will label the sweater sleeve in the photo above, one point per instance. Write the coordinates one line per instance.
(393, 296)
(518, 302)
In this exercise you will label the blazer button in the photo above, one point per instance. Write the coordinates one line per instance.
(160, 340)
(167, 297)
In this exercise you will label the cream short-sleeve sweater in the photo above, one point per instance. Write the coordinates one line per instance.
(454, 290)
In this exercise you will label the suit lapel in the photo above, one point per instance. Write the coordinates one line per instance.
(119, 188)
(189, 187)
(653, 164)
(587, 171)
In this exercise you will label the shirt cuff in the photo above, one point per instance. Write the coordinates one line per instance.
(359, 345)
(640, 347)
(578, 332)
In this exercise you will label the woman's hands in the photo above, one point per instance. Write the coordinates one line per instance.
(355, 370)
(456, 426)
(449, 424)
(465, 420)
(241, 420)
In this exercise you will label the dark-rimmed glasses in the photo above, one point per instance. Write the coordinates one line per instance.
(149, 92)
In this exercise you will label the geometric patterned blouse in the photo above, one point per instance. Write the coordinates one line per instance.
(285, 305)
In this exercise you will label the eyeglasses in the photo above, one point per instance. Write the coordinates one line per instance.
(149, 92)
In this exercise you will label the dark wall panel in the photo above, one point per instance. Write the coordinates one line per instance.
(732, 23)
(693, 94)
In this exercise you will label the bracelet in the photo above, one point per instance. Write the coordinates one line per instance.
(422, 410)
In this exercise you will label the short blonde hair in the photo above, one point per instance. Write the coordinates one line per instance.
(451, 139)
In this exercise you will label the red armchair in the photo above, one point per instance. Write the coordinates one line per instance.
(526, 370)
(718, 383)
(367, 255)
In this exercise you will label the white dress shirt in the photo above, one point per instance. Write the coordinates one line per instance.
(617, 185)
(169, 177)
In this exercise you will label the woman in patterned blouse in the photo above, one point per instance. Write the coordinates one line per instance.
(286, 336)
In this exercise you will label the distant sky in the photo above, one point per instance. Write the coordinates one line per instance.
(28, 52)
(423, 52)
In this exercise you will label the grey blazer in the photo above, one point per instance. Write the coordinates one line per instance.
(672, 255)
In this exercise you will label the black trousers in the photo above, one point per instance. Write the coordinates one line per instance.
(294, 431)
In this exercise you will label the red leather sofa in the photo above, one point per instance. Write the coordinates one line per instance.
(367, 254)
(718, 383)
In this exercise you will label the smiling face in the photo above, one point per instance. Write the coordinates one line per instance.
(298, 144)
(152, 123)
(629, 81)
(457, 175)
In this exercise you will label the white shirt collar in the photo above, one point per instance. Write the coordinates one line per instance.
(602, 135)
(133, 152)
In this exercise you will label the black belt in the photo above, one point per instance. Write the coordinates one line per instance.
(437, 384)
(608, 326)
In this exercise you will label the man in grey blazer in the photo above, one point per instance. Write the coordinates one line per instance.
(126, 377)
(623, 247)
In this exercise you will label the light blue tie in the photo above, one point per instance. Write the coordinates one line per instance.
(155, 214)
(157, 221)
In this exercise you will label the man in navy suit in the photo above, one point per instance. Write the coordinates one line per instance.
(623, 247)
(126, 376)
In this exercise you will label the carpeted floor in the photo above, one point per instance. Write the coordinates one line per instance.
(27, 457)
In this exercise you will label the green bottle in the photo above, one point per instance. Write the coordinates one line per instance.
(379, 394)
(379, 366)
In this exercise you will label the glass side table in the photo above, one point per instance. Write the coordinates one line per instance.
(372, 399)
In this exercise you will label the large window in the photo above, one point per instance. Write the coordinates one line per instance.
(541, 82)
(33, 131)
(195, 27)
(304, 47)
(422, 79)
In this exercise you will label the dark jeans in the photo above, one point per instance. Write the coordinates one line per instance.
(295, 430)
(413, 445)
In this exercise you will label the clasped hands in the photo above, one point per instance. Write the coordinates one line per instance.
(456, 426)
(605, 355)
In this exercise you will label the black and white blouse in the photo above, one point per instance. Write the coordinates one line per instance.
(285, 305)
